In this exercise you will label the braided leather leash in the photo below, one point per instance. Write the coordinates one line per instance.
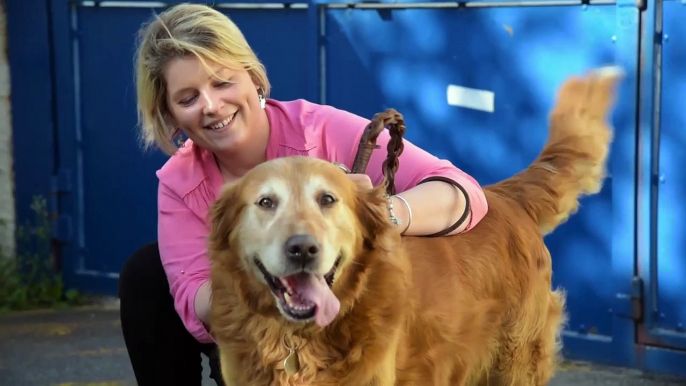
(395, 123)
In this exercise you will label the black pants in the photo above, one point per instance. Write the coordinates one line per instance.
(161, 350)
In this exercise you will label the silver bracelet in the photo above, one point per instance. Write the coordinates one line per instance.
(342, 167)
(394, 220)
(409, 213)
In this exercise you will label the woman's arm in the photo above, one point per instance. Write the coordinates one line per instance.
(429, 199)
(435, 205)
(182, 238)
(202, 302)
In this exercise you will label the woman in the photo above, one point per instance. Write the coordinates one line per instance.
(196, 74)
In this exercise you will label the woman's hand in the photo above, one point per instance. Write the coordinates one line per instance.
(400, 210)
(362, 180)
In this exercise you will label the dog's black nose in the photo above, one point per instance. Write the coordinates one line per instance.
(302, 249)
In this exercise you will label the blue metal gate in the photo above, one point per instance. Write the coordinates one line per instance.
(670, 275)
(418, 57)
(115, 187)
(411, 57)
(663, 262)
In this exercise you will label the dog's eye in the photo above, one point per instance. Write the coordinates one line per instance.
(327, 200)
(267, 203)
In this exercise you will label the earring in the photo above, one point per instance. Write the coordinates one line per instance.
(180, 143)
(263, 101)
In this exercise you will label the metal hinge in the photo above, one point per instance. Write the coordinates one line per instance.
(631, 304)
(60, 185)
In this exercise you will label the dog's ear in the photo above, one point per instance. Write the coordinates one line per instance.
(223, 216)
(372, 212)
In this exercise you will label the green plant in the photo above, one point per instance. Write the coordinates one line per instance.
(30, 279)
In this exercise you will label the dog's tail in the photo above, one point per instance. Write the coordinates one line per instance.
(573, 161)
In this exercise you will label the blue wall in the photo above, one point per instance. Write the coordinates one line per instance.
(79, 105)
(33, 126)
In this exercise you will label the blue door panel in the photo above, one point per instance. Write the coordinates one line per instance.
(670, 308)
(119, 185)
(406, 59)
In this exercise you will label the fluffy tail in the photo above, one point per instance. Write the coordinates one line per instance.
(573, 161)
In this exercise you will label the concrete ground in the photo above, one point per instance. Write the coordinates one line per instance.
(79, 347)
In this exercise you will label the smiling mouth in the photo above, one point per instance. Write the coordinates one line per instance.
(303, 296)
(222, 124)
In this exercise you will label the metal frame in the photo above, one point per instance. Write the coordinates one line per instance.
(632, 186)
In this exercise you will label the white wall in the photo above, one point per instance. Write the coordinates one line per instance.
(7, 214)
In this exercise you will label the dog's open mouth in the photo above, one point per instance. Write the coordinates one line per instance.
(304, 296)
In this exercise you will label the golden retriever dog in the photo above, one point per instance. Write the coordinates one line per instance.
(312, 284)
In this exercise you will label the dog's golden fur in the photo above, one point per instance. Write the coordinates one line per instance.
(476, 308)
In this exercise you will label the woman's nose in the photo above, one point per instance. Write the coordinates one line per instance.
(212, 102)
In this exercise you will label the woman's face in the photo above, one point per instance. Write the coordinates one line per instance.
(215, 114)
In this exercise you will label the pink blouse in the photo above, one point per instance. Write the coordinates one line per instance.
(190, 181)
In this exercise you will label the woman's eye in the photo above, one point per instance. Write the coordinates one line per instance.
(187, 101)
(266, 203)
(223, 84)
(327, 200)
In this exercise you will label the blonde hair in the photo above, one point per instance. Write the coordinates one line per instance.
(179, 31)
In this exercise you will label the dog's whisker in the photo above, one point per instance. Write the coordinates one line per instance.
(240, 270)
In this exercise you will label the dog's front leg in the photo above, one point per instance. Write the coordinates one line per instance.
(384, 370)
(229, 368)
(383, 379)
(384, 375)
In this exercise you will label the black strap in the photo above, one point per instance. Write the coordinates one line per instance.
(466, 206)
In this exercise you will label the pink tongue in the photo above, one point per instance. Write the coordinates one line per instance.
(316, 290)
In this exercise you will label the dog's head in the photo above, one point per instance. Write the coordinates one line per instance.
(293, 231)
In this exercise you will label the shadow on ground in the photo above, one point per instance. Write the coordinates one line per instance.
(79, 347)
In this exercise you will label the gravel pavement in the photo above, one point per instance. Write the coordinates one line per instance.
(79, 347)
